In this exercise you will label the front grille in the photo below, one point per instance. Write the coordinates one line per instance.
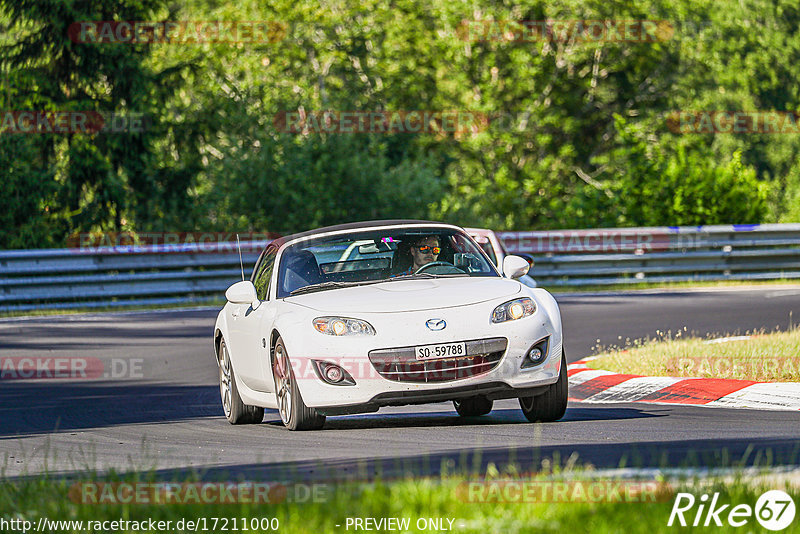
(401, 365)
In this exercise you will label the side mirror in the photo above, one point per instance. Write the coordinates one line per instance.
(514, 267)
(243, 292)
(528, 258)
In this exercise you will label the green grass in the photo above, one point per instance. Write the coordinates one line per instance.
(442, 498)
(773, 357)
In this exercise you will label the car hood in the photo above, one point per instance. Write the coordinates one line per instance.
(408, 295)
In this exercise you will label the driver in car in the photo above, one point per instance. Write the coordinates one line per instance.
(423, 251)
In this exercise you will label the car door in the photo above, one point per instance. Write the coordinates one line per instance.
(250, 328)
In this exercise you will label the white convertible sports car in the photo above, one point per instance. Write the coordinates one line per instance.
(347, 319)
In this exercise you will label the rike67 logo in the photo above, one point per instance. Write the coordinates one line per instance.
(774, 510)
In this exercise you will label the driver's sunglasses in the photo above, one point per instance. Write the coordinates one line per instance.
(426, 249)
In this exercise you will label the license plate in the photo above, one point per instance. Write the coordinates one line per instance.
(441, 350)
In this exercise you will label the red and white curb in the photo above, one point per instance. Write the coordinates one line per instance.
(594, 385)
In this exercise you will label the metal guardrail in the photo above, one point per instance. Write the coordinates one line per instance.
(125, 276)
(619, 256)
(121, 276)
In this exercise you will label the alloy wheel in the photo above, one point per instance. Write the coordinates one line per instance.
(283, 384)
(225, 381)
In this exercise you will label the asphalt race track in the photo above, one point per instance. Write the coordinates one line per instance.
(158, 407)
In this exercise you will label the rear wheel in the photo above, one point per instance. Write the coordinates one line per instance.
(473, 406)
(236, 412)
(293, 411)
(551, 405)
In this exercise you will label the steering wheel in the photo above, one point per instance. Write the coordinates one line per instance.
(433, 264)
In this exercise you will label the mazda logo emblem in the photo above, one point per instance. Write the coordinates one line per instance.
(435, 324)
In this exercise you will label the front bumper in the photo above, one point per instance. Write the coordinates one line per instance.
(490, 390)
(505, 379)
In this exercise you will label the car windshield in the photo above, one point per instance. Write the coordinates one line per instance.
(486, 245)
(363, 257)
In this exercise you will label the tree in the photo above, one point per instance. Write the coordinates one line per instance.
(96, 181)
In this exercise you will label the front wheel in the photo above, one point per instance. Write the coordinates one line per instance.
(473, 406)
(551, 405)
(294, 412)
(236, 412)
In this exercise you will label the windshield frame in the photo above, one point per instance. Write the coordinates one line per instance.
(493, 271)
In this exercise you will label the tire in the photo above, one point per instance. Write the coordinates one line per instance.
(473, 406)
(236, 412)
(293, 411)
(550, 405)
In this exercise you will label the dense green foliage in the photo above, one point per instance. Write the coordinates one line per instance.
(578, 135)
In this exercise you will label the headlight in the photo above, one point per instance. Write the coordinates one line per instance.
(343, 326)
(514, 309)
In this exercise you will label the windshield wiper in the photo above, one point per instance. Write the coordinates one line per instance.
(329, 285)
(409, 276)
(424, 275)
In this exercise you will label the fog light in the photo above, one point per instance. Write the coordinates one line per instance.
(535, 355)
(333, 374)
